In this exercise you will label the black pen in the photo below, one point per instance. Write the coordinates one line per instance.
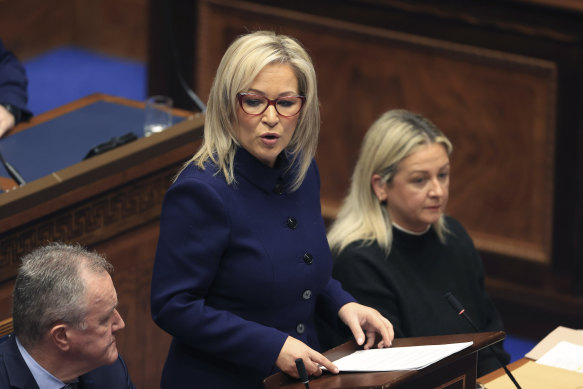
(302, 372)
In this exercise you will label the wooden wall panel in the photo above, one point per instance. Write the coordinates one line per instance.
(497, 108)
(112, 27)
(30, 27)
(142, 343)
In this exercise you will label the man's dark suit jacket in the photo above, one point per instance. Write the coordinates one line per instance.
(14, 372)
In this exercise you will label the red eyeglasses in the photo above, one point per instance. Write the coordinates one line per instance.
(286, 106)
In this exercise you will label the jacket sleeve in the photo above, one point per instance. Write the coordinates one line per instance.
(333, 297)
(13, 82)
(194, 231)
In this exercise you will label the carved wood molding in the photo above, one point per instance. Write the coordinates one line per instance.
(90, 221)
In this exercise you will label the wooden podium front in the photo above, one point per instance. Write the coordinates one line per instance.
(458, 371)
(110, 203)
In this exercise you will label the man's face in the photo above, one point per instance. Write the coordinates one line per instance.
(94, 344)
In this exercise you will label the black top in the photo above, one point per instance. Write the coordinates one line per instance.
(409, 285)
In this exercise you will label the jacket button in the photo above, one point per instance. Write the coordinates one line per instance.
(300, 328)
(278, 189)
(308, 258)
(307, 294)
(292, 223)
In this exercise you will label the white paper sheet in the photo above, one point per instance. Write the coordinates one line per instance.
(565, 355)
(398, 358)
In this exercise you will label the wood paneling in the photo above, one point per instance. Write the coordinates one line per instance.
(503, 79)
(497, 108)
(110, 203)
(30, 27)
(113, 27)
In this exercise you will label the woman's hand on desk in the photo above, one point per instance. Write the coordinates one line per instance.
(293, 349)
(360, 318)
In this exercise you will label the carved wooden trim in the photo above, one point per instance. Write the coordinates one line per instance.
(90, 221)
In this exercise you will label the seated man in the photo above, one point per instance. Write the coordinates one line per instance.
(65, 319)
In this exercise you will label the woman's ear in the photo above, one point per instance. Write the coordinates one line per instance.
(379, 186)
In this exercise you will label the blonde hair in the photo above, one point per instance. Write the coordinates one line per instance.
(241, 63)
(391, 138)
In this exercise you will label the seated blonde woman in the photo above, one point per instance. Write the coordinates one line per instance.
(394, 248)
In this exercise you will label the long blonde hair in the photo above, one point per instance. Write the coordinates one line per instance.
(391, 138)
(241, 63)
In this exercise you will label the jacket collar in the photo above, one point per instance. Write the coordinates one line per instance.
(18, 373)
(266, 178)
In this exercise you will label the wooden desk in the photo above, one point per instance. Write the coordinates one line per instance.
(456, 371)
(531, 375)
(110, 203)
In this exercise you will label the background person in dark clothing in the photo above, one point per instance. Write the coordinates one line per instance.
(13, 91)
(393, 247)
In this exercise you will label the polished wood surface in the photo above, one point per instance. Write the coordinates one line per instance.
(531, 375)
(455, 368)
(500, 372)
(503, 79)
(110, 203)
(6, 327)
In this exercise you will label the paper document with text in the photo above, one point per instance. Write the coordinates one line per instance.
(398, 358)
(565, 355)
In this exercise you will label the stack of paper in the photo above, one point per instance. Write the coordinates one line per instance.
(559, 334)
(565, 355)
(559, 363)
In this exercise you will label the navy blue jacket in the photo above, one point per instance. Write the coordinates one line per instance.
(239, 268)
(14, 373)
(13, 82)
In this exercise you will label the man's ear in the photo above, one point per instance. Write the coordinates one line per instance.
(379, 187)
(60, 337)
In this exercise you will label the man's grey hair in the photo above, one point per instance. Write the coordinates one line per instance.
(49, 289)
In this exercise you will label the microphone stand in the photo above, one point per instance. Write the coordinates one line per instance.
(12, 171)
(458, 307)
(302, 372)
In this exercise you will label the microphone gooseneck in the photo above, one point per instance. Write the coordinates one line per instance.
(460, 310)
(458, 307)
(302, 372)
(12, 171)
